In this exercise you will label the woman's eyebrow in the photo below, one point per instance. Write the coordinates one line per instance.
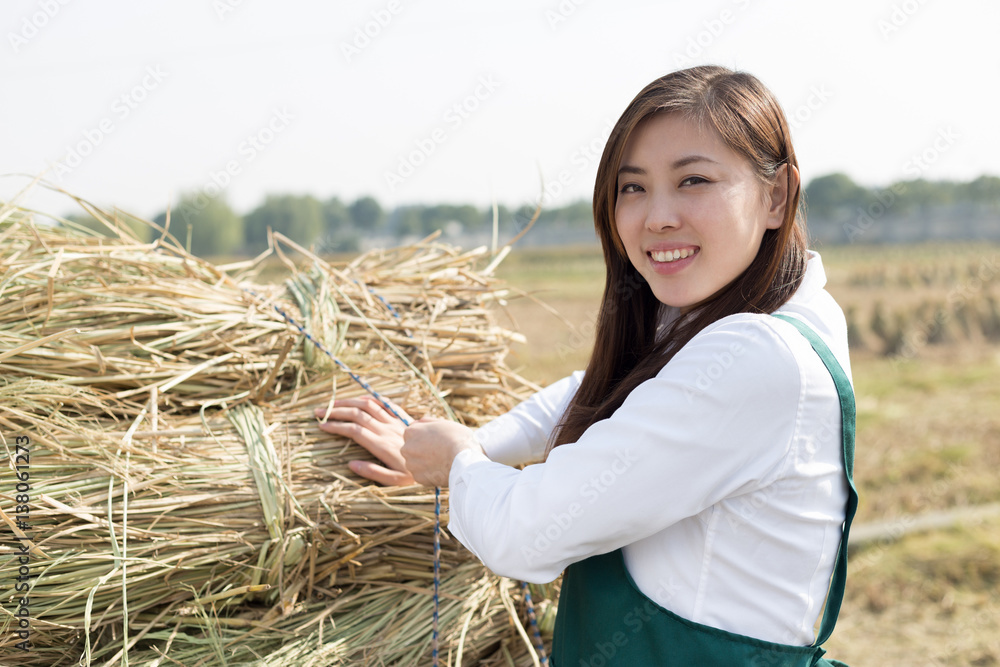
(689, 159)
(631, 169)
(679, 163)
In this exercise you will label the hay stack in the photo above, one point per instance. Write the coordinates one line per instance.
(185, 508)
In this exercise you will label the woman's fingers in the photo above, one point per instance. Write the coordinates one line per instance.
(367, 422)
(383, 444)
(357, 416)
(364, 406)
(380, 474)
(366, 413)
(394, 414)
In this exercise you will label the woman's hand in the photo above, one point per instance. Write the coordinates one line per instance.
(366, 421)
(431, 445)
(421, 453)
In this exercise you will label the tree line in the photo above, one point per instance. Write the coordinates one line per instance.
(210, 227)
(836, 195)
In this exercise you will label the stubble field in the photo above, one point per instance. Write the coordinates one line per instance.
(925, 333)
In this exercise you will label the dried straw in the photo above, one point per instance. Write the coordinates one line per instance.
(185, 507)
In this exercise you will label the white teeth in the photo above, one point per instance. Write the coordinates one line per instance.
(670, 255)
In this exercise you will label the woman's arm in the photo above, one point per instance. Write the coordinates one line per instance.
(717, 421)
(521, 435)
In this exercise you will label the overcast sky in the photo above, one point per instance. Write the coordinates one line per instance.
(133, 103)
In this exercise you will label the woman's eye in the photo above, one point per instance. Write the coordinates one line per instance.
(694, 180)
(629, 187)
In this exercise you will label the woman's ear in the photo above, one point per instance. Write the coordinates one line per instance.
(785, 179)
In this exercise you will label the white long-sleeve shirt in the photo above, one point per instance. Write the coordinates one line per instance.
(722, 477)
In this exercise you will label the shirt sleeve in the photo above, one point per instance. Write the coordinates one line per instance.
(715, 421)
(521, 435)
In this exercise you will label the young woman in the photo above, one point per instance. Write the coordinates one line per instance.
(695, 481)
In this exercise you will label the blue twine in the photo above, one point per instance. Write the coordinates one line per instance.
(380, 298)
(539, 644)
(437, 570)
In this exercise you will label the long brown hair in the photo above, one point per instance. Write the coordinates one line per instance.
(628, 350)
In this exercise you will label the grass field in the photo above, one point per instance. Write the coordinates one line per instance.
(926, 366)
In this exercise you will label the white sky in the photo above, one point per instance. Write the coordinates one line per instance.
(885, 77)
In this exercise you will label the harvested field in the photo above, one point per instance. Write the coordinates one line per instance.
(928, 438)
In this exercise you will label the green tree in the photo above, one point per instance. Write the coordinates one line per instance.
(579, 213)
(467, 214)
(985, 191)
(408, 220)
(214, 228)
(335, 215)
(921, 194)
(300, 218)
(825, 195)
(339, 234)
(523, 214)
(366, 214)
(503, 213)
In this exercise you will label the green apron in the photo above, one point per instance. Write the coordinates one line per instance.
(604, 619)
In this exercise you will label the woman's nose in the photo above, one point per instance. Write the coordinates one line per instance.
(662, 214)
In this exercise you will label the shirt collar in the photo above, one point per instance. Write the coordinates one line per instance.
(814, 279)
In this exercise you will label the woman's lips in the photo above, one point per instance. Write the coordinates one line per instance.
(671, 261)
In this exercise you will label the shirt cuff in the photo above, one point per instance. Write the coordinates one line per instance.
(521, 435)
(462, 467)
(504, 441)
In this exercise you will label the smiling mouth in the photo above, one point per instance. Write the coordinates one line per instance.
(667, 256)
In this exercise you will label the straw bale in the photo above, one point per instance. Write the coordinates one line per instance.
(185, 508)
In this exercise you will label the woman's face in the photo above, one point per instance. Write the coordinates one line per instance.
(690, 211)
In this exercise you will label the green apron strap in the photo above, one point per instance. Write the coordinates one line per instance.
(848, 412)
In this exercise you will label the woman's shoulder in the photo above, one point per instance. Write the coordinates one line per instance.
(758, 352)
(738, 349)
(763, 330)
